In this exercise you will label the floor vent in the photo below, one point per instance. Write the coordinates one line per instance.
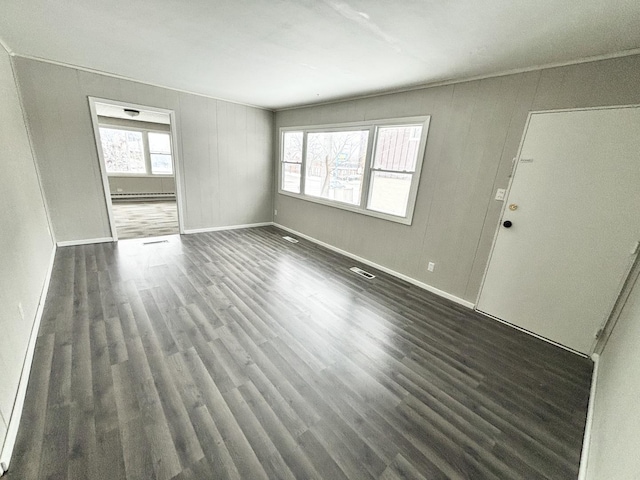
(156, 241)
(362, 273)
(290, 239)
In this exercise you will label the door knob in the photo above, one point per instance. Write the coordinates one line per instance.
(507, 224)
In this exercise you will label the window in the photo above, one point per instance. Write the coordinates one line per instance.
(394, 164)
(335, 162)
(136, 152)
(123, 150)
(291, 161)
(370, 167)
(160, 152)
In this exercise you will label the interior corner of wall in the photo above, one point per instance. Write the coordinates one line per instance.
(6, 47)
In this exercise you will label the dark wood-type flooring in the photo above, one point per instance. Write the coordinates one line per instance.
(239, 355)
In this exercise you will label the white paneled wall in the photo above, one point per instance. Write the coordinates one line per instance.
(225, 150)
(474, 134)
(26, 250)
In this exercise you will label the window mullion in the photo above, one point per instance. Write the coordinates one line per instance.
(366, 174)
(147, 153)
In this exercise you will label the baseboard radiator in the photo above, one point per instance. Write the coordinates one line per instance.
(142, 196)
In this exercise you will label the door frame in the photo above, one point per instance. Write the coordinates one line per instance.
(177, 164)
(611, 317)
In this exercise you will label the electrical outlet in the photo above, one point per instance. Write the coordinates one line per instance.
(275, 212)
(431, 266)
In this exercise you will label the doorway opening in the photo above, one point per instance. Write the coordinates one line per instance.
(136, 148)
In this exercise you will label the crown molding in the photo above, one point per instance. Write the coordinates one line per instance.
(515, 71)
(130, 79)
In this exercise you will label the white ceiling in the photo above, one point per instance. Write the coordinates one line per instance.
(280, 53)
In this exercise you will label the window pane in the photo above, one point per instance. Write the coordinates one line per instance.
(390, 192)
(292, 147)
(397, 148)
(291, 177)
(161, 164)
(159, 143)
(123, 150)
(335, 164)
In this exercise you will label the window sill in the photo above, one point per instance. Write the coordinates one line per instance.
(408, 220)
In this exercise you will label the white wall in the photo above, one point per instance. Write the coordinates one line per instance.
(3, 431)
(26, 246)
(614, 451)
(225, 150)
(474, 134)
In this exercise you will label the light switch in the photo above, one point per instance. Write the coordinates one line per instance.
(500, 193)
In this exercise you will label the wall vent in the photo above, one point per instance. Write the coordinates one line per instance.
(362, 273)
(290, 239)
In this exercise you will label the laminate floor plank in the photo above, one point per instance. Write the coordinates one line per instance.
(35, 413)
(401, 469)
(222, 464)
(238, 355)
(285, 441)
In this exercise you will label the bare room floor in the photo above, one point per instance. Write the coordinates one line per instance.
(239, 355)
(145, 219)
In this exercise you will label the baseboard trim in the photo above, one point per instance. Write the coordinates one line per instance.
(586, 440)
(533, 334)
(227, 227)
(382, 268)
(16, 414)
(88, 241)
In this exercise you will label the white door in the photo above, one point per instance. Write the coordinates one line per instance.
(575, 223)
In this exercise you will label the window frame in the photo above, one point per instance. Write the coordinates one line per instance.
(365, 194)
(283, 162)
(148, 131)
(146, 152)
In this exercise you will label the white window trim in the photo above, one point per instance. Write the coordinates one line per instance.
(372, 126)
(147, 152)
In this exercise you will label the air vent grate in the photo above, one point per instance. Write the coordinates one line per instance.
(362, 273)
(290, 239)
(156, 241)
